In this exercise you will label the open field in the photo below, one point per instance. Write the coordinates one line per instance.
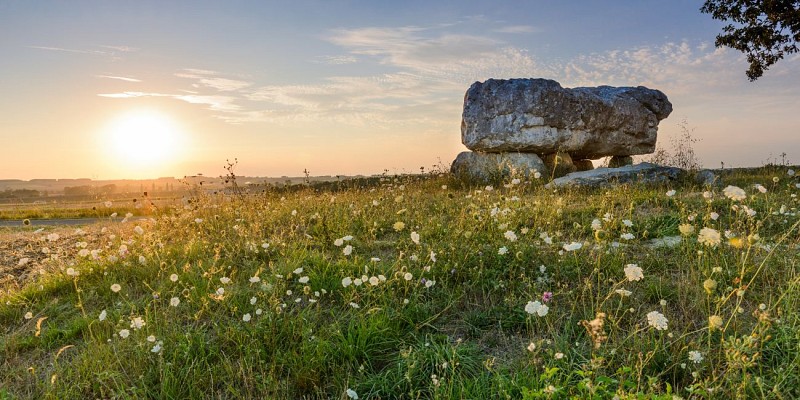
(415, 287)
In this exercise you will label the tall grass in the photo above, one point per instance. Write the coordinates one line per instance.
(418, 287)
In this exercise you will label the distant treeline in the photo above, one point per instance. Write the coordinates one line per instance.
(90, 190)
(19, 194)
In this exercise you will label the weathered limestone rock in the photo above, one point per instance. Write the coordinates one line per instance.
(602, 177)
(539, 116)
(485, 167)
(707, 177)
(620, 161)
(583, 165)
(558, 164)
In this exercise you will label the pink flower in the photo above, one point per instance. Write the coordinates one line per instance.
(547, 296)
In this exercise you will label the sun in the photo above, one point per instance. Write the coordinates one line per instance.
(144, 139)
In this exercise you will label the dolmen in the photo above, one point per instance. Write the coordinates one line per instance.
(535, 125)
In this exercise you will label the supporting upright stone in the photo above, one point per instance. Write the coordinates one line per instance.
(558, 164)
(488, 167)
(583, 165)
(620, 161)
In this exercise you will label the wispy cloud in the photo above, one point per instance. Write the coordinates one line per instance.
(66, 50)
(124, 49)
(424, 72)
(336, 60)
(121, 78)
(209, 79)
(214, 103)
(517, 29)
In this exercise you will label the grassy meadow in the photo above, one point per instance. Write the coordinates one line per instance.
(416, 287)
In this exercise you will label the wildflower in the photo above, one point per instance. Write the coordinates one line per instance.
(253, 300)
(399, 226)
(347, 250)
(53, 237)
(254, 279)
(714, 322)
(157, 347)
(573, 246)
(124, 333)
(298, 271)
(151, 339)
(695, 356)
(173, 277)
(102, 316)
(220, 291)
(354, 305)
(429, 283)
(72, 272)
(374, 281)
(627, 236)
(246, 317)
(352, 394)
(760, 188)
(686, 229)
(338, 242)
(558, 355)
(537, 175)
(627, 223)
(633, 272)
(502, 251)
(531, 347)
(137, 323)
(511, 236)
(408, 276)
(198, 220)
(734, 193)
(623, 292)
(714, 216)
(775, 179)
(357, 281)
(174, 302)
(709, 285)
(709, 237)
(790, 172)
(259, 311)
(347, 281)
(303, 279)
(535, 307)
(415, 237)
(663, 303)
(671, 193)
(28, 315)
(225, 280)
(116, 288)
(657, 320)
(138, 229)
(432, 256)
(546, 297)
(708, 195)
(596, 224)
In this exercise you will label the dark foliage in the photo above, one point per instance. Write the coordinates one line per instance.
(765, 30)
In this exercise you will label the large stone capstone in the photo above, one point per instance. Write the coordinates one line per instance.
(539, 116)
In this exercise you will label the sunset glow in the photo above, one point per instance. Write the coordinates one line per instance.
(142, 90)
(143, 138)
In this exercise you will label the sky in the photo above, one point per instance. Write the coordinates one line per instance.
(145, 89)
